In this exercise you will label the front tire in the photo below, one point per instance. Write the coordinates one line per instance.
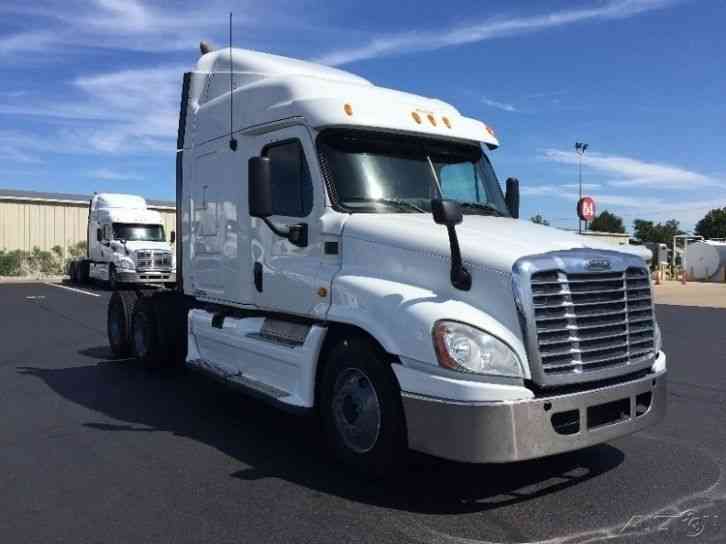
(118, 322)
(361, 411)
(145, 334)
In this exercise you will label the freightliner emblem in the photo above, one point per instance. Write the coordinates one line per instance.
(598, 264)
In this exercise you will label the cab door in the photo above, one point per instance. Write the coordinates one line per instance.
(286, 276)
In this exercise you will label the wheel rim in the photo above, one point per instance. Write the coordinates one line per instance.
(140, 336)
(356, 410)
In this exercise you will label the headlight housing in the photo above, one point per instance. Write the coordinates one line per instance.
(468, 349)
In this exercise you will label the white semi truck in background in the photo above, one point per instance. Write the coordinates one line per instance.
(347, 249)
(126, 243)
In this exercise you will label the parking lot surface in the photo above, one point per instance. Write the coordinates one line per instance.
(99, 450)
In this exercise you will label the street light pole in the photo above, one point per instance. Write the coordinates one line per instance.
(580, 150)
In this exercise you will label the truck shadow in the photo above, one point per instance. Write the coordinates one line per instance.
(273, 444)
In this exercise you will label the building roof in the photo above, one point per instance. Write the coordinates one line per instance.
(66, 198)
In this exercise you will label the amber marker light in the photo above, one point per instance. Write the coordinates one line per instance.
(348, 109)
(490, 130)
(446, 122)
(416, 117)
(432, 119)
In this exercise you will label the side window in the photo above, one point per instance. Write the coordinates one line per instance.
(292, 188)
(107, 233)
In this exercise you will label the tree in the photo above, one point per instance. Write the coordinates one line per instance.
(607, 222)
(713, 225)
(647, 231)
(539, 220)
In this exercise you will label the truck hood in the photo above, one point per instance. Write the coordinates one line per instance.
(490, 242)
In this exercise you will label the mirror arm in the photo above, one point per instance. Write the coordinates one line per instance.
(460, 276)
(296, 234)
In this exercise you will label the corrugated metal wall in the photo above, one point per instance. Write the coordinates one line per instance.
(45, 224)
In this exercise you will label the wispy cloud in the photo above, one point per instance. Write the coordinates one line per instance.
(118, 24)
(634, 172)
(497, 27)
(499, 105)
(113, 175)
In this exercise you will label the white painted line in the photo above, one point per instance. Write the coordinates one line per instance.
(35, 297)
(73, 289)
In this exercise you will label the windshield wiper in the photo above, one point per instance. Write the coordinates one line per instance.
(488, 208)
(389, 202)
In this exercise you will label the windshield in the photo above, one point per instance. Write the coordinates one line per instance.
(138, 232)
(385, 173)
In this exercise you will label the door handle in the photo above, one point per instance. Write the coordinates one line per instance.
(258, 276)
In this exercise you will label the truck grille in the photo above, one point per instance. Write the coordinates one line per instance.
(153, 260)
(591, 321)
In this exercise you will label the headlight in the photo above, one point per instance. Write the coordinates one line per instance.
(126, 264)
(468, 349)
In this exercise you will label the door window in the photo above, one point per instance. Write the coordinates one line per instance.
(292, 188)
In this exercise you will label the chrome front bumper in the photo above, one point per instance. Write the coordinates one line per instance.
(150, 276)
(500, 432)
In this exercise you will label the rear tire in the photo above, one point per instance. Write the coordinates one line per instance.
(360, 408)
(118, 322)
(83, 272)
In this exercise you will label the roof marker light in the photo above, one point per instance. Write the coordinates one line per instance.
(416, 117)
(348, 109)
(490, 130)
(446, 122)
(432, 119)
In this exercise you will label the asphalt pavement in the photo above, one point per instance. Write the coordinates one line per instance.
(95, 449)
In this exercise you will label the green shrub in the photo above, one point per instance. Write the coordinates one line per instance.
(11, 262)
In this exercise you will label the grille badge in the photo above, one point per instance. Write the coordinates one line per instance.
(598, 264)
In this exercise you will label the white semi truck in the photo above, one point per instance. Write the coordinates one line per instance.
(347, 249)
(126, 244)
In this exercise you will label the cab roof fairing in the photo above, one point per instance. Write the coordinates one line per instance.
(275, 88)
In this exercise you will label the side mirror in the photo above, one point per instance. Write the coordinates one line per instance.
(446, 212)
(172, 237)
(511, 197)
(259, 186)
(99, 236)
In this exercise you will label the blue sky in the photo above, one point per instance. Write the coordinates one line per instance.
(89, 90)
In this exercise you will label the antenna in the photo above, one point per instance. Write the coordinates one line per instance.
(232, 141)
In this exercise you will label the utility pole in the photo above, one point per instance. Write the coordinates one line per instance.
(580, 150)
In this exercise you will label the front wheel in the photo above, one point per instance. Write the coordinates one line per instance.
(145, 334)
(361, 409)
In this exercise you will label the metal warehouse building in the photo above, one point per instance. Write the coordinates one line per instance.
(30, 219)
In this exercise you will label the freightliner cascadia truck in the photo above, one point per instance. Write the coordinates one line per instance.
(126, 244)
(347, 250)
